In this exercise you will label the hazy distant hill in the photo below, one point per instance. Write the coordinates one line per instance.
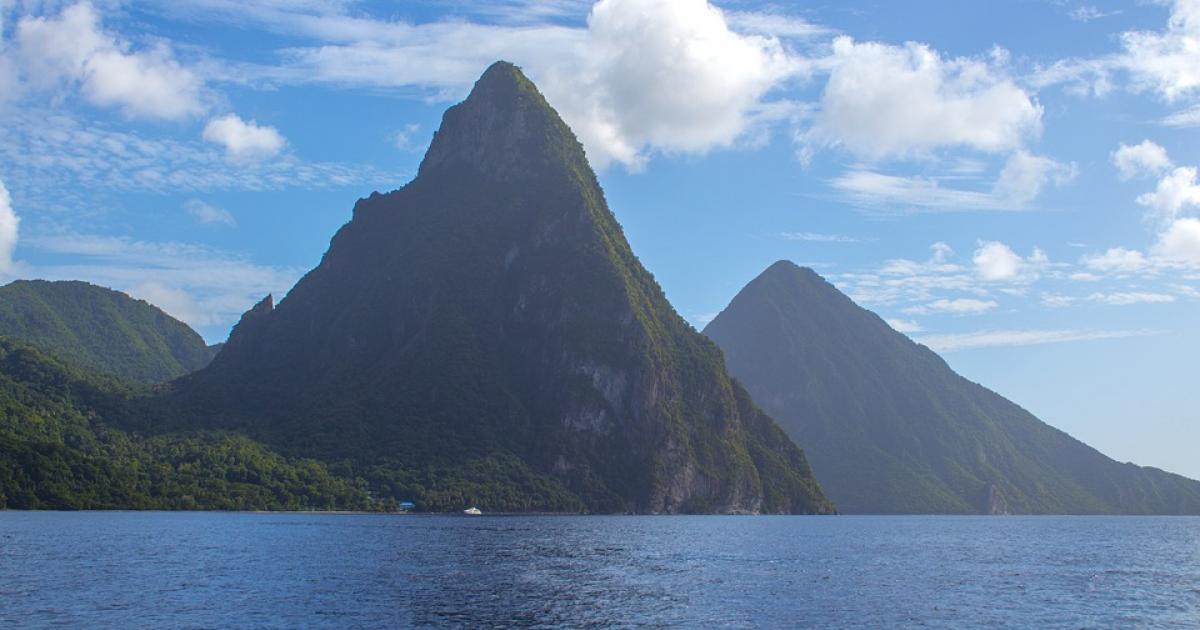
(890, 428)
(486, 331)
(101, 329)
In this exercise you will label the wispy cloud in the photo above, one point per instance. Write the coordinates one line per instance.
(200, 285)
(1183, 118)
(1127, 298)
(998, 338)
(957, 306)
(1087, 13)
(876, 190)
(43, 150)
(905, 325)
(817, 237)
(208, 213)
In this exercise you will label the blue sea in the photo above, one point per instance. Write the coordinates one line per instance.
(242, 570)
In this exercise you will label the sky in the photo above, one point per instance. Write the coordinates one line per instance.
(1013, 184)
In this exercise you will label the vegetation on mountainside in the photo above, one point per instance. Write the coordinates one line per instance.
(57, 452)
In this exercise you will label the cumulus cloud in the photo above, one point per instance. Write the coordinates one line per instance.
(1180, 242)
(1025, 175)
(243, 140)
(663, 75)
(209, 214)
(996, 261)
(72, 49)
(1117, 259)
(1175, 191)
(642, 76)
(883, 100)
(9, 222)
(1168, 61)
(1138, 160)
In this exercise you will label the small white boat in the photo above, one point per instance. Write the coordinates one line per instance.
(472, 511)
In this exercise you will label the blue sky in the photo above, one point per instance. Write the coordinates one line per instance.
(1013, 184)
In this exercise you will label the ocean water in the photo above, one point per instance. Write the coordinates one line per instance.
(230, 570)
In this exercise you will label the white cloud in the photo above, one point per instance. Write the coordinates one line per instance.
(52, 155)
(644, 76)
(243, 140)
(209, 214)
(1144, 159)
(1081, 77)
(911, 194)
(904, 325)
(958, 306)
(774, 24)
(1180, 242)
(1175, 191)
(72, 49)
(175, 302)
(197, 284)
(1186, 291)
(1183, 118)
(1168, 61)
(1054, 300)
(883, 100)
(1117, 259)
(1131, 297)
(1087, 13)
(9, 222)
(941, 252)
(818, 237)
(999, 338)
(1022, 179)
(405, 138)
(996, 261)
(1025, 175)
(665, 75)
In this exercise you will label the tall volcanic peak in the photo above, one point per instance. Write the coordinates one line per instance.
(506, 130)
(485, 334)
(892, 428)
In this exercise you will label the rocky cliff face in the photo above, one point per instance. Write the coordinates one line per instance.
(892, 429)
(493, 308)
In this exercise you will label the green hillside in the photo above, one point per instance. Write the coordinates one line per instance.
(101, 329)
